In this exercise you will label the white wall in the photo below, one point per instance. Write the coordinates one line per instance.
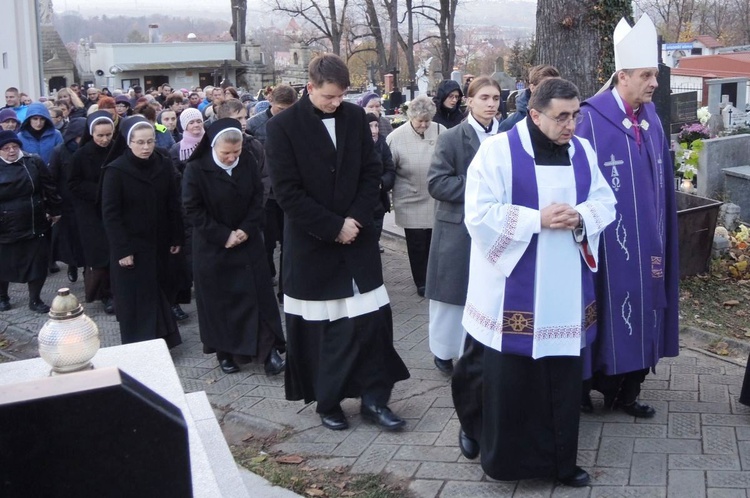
(19, 48)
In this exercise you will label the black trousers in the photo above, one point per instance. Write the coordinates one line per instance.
(273, 231)
(621, 388)
(418, 249)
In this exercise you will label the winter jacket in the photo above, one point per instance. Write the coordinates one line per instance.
(35, 142)
(522, 104)
(444, 116)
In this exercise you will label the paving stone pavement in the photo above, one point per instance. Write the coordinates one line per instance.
(698, 445)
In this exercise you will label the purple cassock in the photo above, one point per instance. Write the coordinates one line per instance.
(637, 283)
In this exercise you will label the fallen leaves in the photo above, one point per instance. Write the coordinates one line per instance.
(290, 459)
(721, 348)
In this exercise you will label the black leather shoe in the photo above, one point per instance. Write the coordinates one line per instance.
(275, 364)
(54, 268)
(445, 366)
(578, 479)
(5, 304)
(383, 416)
(38, 306)
(336, 420)
(638, 410)
(228, 366)
(420, 291)
(109, 305)
(178, 313)
(469, 447)
(73, 273)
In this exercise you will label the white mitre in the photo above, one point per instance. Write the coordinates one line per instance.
(635, 47)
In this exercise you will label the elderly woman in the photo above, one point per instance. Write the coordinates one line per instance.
(372, 104)
(9, 120)
(83, 183)
(28, 202)
(223, 198)
(448, 267)
(141, 214)
(412, 146)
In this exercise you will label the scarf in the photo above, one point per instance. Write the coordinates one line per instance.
(188, 144)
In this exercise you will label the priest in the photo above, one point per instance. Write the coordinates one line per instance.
(638, 284)
(536, 204)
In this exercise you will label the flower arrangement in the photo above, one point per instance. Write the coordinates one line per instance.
(696, 131)
(404, 107)
(703, 115)
(686, 158)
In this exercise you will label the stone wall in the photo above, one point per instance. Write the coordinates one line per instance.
(718, 154)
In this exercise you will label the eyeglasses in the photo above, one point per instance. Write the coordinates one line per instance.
(452, 97)
(11, 148)
(141, 143)
(577, 118)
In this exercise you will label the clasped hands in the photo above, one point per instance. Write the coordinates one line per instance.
(560, 216)
(349, 231)
(236, 237)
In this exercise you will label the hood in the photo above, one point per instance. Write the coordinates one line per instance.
(445, 88)
(37, 109)
(75, 129)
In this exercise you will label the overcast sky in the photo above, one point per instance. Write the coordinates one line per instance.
(190, 8)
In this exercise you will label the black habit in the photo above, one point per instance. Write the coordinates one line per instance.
(319, 184)
(237, 309)
(141, 213)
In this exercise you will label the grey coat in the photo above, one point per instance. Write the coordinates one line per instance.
(448, 264)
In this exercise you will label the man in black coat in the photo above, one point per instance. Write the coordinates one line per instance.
(326, 177)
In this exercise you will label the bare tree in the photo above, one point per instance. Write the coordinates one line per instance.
(327, 17)
(577, 39)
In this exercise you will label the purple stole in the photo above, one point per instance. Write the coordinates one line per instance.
(518, 306)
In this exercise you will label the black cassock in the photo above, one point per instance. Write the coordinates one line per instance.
(237, 309)
(524, 412)
(142, 218)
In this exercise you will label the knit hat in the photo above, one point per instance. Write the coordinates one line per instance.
(188, 115)
(371, 117)
(7, 114)
(262, 106)
(7, 136)
(364, 99)
(122, 99)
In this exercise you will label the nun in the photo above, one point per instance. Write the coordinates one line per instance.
(141, 213)
(223, 199)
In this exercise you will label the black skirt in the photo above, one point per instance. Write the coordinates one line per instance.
(528, 426)
(25, 260)
(745, 393)
(347, 358)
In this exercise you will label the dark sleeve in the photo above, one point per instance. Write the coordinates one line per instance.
(196, 212)
(252, 221)
(443, 183)
(52, 199)
(371, 170)
(256, 147)
(112, 214)
(55, 164)
(78, 185)
(289, 188)
(174, 205)
(389, 169)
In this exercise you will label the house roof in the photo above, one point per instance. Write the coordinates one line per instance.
(148, 66)
(720, 65)
(708, 41)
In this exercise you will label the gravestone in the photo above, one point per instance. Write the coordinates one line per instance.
(94, 433)
(662, 98)
(683, 110)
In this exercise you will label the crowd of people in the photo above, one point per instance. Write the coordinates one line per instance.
(545, 243)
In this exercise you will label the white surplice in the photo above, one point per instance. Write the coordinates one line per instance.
(501, 232)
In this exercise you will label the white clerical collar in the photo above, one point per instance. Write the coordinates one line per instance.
(481, 130)
(330, 125)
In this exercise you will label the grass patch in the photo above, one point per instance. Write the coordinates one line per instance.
(295, 473)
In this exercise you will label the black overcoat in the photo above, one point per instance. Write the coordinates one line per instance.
(83, 183)
(141, 214)
(233, 288)
(66, 238)
(317, 186)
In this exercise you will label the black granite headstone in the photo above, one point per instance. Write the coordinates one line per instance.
(661, 97)
(97, 433)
